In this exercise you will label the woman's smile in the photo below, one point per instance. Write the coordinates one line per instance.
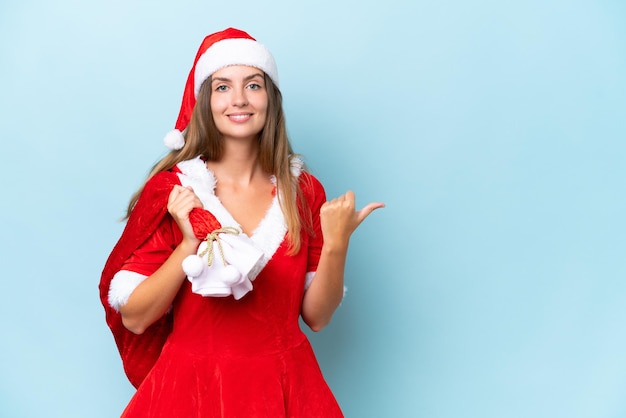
(240, 117)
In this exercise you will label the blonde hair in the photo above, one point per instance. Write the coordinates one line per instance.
(275, 156)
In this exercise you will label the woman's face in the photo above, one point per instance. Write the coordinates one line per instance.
(239, 101)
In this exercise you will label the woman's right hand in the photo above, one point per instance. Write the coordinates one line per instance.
(179, 203)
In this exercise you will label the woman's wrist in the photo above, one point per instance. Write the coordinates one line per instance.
(335, 247)
(189, 246)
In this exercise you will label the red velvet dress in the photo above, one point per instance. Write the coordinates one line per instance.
(237, 358)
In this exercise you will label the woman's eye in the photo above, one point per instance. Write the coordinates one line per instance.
(221, 88)
(254, 86)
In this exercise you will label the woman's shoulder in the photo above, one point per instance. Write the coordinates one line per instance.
(309, 180)
(306, 179)
(311, 187)
(161, 181)
(166, 179)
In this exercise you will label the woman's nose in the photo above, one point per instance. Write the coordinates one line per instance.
(239, 97)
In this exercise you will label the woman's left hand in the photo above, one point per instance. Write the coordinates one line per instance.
(339, 219)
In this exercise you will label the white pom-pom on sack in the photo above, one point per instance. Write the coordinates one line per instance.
(230, 275)
(193, 265)
(174, 140)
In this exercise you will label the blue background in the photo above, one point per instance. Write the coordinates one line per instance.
(492, 285)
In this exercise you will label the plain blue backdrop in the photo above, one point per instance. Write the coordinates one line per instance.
(492, 285)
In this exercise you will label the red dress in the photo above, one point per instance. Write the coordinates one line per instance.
(237, 358)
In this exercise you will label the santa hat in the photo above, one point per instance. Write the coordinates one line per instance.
(221, 49)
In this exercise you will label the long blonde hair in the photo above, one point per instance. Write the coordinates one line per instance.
(275, 156)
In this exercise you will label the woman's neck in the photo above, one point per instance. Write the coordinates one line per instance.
(238, 167)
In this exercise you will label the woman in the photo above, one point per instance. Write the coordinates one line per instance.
(241, 353)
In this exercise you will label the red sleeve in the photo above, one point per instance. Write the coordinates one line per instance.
(155, 250)
(315, 197)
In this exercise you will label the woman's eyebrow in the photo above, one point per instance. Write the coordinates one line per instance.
(248, 78)
(251, 76)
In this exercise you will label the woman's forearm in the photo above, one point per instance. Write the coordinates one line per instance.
(326, 290)
(153, 297)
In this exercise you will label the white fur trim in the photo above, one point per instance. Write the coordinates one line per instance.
(123, 284)
(268, 235)
(296, 164)
(308, 278)
(238, 51)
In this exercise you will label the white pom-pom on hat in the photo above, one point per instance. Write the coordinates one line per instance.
(174, 140)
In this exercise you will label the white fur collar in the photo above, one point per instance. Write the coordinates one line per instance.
(268, 235)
